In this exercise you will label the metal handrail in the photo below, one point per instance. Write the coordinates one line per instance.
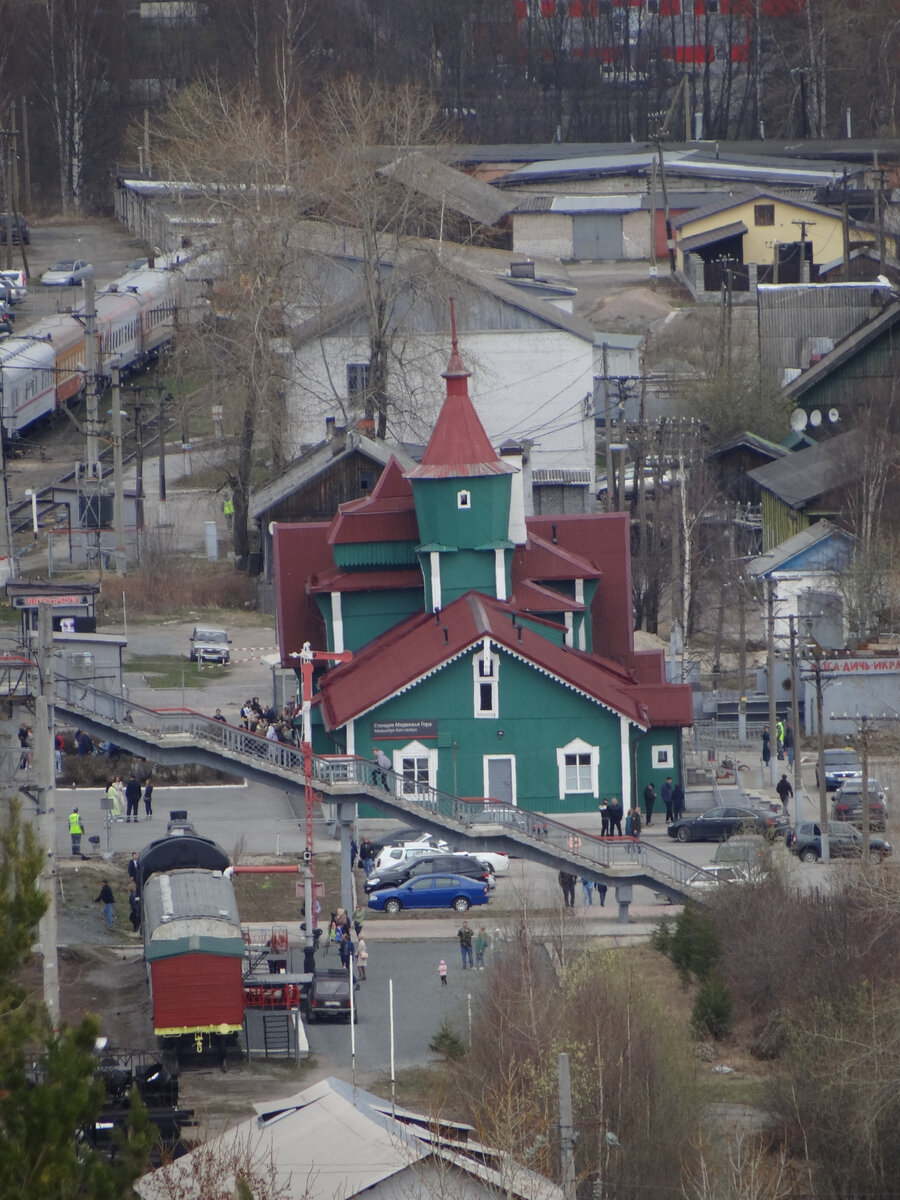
(340, 773)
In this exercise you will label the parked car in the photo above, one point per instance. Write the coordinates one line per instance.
(506, 815)
(67, 273)
(847, 804)
(840, 765)
(717, 824)
(428, 864)
(406, 835)
(210, 644)
(398, 856)
(329, 997)
(496, 861)
(752, 852)
(844, 841)
(19, 226)
(18, 283)
(431, 891)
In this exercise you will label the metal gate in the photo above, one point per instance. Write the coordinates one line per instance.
(597, 236)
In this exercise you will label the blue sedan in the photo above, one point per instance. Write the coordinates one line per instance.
(431, 891)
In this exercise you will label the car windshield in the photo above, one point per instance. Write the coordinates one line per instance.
(210, 635)
(332, 987)
(841, 758)
(63, 266)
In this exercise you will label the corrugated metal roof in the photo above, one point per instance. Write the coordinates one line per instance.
(843, 350)
(435, 179)
(805, 475)
(591, 204)
(204, 899)
(571, 475)
(765, 564)
(335, 1142)
(711, 236)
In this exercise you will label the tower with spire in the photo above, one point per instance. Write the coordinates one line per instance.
(463, 497)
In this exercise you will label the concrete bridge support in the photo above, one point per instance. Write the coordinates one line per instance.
(624, 896)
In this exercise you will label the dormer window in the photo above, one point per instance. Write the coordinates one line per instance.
(463, 499)
(486, 670)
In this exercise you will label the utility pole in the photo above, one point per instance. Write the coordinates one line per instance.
(816, 658)
(795, 722)
(606, 430)
(770, 671)
(118, 478)
(803, 225)
(45, 778)
(845, 226)
(670, 241)
(566, 1127)
(90, 369)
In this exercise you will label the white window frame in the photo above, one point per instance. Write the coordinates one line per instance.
(511, 758)
(464, 499)
(415, 750)
(579, 746)
(658, 763)
(479, 679)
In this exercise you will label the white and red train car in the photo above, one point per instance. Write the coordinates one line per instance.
(44, 368)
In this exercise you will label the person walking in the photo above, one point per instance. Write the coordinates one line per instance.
(107, 899)
(132, 799)
(358, 915)
(789, 743)
(362, 957)
(442, 973)
(666, 795)
(649, 802)
(148, 796)
(76, 833)
(481, 944)
(601, 892)
(134, 908)
(766, 745)
(367, 855)
(677, 802)
(784, 790)
(587, 893)
(615, 816)
(464, 933)
(567, 884)
(779, 738)
(382, 765)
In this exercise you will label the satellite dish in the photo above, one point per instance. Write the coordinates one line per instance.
(833, 416)
(798, 420)
(815, 418)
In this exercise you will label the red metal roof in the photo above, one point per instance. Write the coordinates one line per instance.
(666, 703)
(458, 446)
(387, 515)
(337, 580)
(604, 540)
(424, 643)
(540, 559)
(301, 550)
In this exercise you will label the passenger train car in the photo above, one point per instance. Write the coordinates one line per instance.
(193, 945)
(44, 368)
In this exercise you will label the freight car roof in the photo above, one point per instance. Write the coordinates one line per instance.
(190, 906)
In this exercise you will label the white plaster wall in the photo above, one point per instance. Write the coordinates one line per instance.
(543, 235)
(527, 383)
(636, 234)
(788, 589)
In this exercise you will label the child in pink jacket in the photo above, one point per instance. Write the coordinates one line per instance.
(442, 971)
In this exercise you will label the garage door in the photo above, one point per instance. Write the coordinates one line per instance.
(597, 235)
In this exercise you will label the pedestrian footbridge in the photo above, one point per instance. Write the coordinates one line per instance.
(179, 735)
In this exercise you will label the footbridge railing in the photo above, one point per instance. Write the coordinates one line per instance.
(180, 734)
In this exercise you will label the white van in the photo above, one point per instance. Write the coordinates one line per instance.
(18, 284)
(209, 644)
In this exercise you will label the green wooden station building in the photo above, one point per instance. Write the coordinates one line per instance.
(493, 652)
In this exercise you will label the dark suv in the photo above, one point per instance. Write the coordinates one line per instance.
(19, 227)
(460, 864)
(843, 842)
(840, 765)
(847, 804)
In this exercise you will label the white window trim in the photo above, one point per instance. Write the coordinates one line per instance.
(464, 499)
(511, 758)
(493, 679)
(337, 622)
(625, 759)
(669, 764)
(435, 563)
(500, 574)
(578, 746)
(415, 750)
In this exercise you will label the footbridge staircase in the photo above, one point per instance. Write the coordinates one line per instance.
(179, 735)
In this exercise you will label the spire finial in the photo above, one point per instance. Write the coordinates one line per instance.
(456, 368)
(453, 339)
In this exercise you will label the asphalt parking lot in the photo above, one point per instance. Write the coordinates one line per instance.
(103, 242)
